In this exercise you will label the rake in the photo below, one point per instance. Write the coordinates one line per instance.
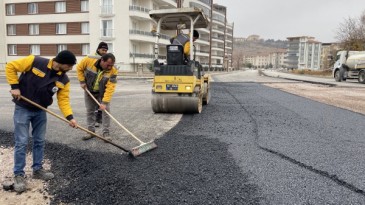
(78, 126)
(143, 147)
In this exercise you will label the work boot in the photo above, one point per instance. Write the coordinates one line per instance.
(43, 174)
(107, 136)
(19, 184)
(87, 137)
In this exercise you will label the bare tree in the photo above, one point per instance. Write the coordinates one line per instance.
(237, 58)
(351, 33)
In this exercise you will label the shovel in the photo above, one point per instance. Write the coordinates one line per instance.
(143, 147)
(78, 126)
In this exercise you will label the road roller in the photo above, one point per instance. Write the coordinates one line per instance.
(179, 84)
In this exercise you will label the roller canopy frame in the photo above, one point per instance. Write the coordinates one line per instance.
(167, 19)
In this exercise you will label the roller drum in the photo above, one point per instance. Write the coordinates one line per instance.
(174, 103)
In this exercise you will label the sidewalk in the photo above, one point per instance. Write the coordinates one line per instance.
(312, 79)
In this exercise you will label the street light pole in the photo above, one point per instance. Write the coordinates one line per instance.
(134, 63)
(210, 34)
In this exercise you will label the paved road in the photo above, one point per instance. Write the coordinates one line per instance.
(251, 145)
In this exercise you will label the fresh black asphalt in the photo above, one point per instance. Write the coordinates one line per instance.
(251, 145)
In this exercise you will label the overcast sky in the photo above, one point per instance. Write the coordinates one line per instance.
(278, 19)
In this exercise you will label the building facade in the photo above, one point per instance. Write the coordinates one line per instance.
(266, 60)
(328, 55)
(215, 44)
(303, 52)
(45, 27)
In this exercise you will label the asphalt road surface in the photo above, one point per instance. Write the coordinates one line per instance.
(251, 145)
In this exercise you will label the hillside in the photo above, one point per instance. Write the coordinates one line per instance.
(260, 46)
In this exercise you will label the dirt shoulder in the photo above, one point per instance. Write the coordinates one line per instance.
(36, 189)
(347, 98)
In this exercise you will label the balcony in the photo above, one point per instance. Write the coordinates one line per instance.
(219, 22)
(203, 41)
(230, 26)
(138, 12)
(165, 4)
(145, 56)
(217, 48)
(202, 53)
(206, 2)
(228, 33)
(147, 36)
(218, 39)
(218, 31)
(106, 11)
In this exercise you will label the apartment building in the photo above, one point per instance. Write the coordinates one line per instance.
(3, 46)
(328, 55)
(266, 59)
(303, 52)
(45, 27)
(218, 53)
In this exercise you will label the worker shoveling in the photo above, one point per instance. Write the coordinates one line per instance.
(143, 147)
(79, 127)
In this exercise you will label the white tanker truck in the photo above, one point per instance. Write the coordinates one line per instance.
(349, 64)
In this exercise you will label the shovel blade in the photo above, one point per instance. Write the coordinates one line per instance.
(145, 147)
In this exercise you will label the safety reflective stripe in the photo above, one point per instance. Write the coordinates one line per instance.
(97, 80)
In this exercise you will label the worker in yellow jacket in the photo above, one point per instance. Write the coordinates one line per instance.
(40, 79)
(100, 50)
(99, 76)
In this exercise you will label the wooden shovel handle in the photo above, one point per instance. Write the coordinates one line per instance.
(65, 120)
(115, 120)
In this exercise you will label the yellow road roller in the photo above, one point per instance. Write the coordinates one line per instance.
(179, 85)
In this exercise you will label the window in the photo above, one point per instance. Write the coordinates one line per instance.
(84, 5)
(106, 6)
(61, 47)
(85, 28)
(10, 9)
(85, 49)
(12, 50)
(32, 8)
(35, 49)
(110, 48)
(107, 30)
(11, 29)
(61, 28)
(33, 29)
(60, 7)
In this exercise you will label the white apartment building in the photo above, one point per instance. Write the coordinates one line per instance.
(45, 27)
(304, 52)
(218, 54)
(266, 60)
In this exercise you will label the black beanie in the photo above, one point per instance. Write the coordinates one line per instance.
(103, 45)
(65, 57)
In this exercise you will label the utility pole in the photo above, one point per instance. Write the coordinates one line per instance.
(210, 34)
(225, 58)
(232, 46)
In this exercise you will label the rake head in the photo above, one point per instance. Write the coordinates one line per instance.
(145, 147)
